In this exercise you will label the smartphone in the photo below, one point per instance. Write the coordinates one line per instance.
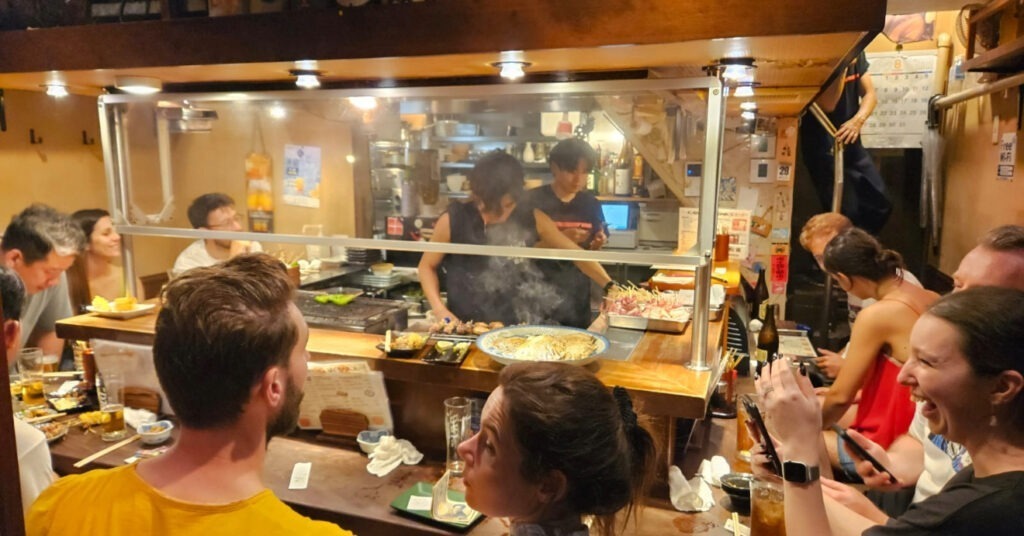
(863, 454)
(766, 441)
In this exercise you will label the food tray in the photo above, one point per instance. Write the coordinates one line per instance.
(646, 324)
(486, 342)
(448, 357)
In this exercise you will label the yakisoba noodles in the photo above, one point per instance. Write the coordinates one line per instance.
(562, 347)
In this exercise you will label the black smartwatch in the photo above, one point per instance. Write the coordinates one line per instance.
(800, 473)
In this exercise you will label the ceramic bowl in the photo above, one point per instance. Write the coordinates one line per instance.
(154, 433)
(737, 486)
(368, 439)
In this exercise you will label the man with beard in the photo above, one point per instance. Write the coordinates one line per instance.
(213, 212)
(230, 352)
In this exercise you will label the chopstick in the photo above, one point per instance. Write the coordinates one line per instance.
(86, 461)
(44, 418)
(735, 524)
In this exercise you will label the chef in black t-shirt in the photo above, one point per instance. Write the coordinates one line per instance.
(577, 214)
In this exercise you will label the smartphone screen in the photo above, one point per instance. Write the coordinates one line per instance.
(766, 442)
(861, 453)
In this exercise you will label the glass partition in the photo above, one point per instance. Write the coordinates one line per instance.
(329, 175)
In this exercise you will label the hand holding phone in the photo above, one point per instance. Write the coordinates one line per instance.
(766, 440)
(861, 453)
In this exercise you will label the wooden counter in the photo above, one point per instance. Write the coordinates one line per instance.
(655, 374)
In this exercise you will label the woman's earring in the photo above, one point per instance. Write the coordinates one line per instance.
(993, 421)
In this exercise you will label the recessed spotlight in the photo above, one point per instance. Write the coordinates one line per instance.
(138, 85)
(512, 64)
(735, 69)
(56, 90)
(306, 79)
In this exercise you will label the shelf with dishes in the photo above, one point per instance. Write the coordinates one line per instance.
(539, 166)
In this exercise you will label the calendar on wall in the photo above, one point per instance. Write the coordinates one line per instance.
(903, 83)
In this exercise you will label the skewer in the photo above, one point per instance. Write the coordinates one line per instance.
(44, 418)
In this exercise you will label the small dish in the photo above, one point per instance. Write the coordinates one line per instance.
(369, 439)
(448, 352)
(139, 310)
(737, 487)
(53, 430)
(154, 433)
(382, 269)
(405, 345)
(415, 503)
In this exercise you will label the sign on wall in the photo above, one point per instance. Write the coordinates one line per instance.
(903, 84)
(302, 176)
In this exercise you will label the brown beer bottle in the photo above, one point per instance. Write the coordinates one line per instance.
(767, 339)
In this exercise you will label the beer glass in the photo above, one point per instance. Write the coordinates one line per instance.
(767, 510)
(743, 440)
(113, 407)
(458, 414)
(30, 367)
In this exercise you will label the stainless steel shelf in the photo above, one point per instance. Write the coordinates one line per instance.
(496, 139)
(469, 165)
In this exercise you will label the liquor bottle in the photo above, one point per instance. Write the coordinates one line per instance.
(259, 195)
(760, 296)
(767, 339)
(638, 174)
(595, 179)
(623, 168)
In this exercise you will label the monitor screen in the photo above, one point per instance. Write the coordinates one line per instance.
(616, 215)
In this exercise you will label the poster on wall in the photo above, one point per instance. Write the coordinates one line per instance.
(903, 84)
(302, 176)
(1007, 156)
(735, 222)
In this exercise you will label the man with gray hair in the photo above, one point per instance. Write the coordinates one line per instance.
(39, 245)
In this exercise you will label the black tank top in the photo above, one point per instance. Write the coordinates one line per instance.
(487, 289)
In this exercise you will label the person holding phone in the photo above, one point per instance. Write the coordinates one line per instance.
(966, 369)
(577, 214)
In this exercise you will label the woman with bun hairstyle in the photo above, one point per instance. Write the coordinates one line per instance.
(879, 343)
(555, 445)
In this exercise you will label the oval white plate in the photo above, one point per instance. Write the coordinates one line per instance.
(139, 310)
(486, 342)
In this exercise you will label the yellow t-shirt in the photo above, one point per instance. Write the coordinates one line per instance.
(116, 502)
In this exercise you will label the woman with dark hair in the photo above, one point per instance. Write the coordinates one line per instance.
(483, 288)
(555, 445)
(966, 367)
(97, 270)
(879, 343)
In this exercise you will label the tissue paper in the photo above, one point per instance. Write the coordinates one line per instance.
(713, 470)
(688, 496)
(390, 453)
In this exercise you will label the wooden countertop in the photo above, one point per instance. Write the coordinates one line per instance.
(655, 373)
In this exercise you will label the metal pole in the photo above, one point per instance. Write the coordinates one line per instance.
(979, 90)
(837, 203)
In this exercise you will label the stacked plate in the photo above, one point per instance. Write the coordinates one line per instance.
(363, 256)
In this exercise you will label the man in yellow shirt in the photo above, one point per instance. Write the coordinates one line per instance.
(230, 352)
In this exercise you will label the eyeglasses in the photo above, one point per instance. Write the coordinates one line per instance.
(227, 223)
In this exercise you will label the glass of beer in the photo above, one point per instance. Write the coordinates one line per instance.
(767, 510)
(30, 367)
(743, 440)
(112, 407)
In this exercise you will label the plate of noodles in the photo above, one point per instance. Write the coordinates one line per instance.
(542, 343)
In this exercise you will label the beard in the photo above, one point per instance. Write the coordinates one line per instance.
(286, 420)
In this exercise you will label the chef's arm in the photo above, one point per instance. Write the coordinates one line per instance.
(429, 264)
(550, 236)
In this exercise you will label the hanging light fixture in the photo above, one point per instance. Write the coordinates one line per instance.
(512, 64)
(56, 90)
(733, 70)
(306, 79)
(138, 85)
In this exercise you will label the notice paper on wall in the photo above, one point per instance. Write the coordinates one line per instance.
(1007, 156)
(349, 385)
(903, 85)
(735, 222)
(302, 176)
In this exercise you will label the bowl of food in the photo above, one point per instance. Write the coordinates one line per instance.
(369, 439)
(737, 487)
(403, 344)
(53, 430)
(154, 433)
(542, 343)
(382, 269)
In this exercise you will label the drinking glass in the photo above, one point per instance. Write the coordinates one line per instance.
(30, 368)
(113, 407)
(458, 415)
(767, 510)
(743, 440)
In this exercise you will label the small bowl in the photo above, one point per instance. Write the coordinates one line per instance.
(154, 433)
(382, 269)
(737, 487)
(369, 439)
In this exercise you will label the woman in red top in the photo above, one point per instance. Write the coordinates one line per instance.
(879, 343)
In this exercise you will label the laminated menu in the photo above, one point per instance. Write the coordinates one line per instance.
(348, 385)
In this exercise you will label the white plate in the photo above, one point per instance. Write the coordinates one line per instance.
(139, 310)
(486, 341)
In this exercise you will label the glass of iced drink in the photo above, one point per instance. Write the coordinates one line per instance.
(767, 511)
(30, 367)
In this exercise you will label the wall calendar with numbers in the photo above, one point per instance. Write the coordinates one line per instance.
(903, 83)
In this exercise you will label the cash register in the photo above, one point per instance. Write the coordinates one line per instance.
(620, 217)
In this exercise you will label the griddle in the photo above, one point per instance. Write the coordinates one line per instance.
(362, 315)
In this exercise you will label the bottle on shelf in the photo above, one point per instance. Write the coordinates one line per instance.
(623, 169)
(528, 152)
(760, 296)
(638, 175)
(767, 339)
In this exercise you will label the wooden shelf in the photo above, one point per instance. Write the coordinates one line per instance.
(1007, 58)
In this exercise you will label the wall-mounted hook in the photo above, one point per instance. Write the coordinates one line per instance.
(86, 140)
(32, 137)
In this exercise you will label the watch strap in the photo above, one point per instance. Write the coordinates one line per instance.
(800, 473)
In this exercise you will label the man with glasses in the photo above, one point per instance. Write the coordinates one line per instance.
(213, 212)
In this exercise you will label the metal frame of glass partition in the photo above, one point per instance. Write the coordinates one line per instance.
(117, 158)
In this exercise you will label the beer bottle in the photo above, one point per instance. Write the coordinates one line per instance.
(767, 338)
(760, 297)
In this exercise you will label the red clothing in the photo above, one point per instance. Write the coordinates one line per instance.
(885, 408)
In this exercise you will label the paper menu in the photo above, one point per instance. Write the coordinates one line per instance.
(349, 385)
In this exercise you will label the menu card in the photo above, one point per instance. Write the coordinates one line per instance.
(349, 385)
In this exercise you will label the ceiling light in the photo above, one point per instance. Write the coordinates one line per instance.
(138, 85)
(56, 90)
(749, 116)
(745, 91)
(363, 103)
(748, 106)
(306, 79)
(736, 69)
(512, 64)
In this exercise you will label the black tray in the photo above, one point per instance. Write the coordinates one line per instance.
(449, 357)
